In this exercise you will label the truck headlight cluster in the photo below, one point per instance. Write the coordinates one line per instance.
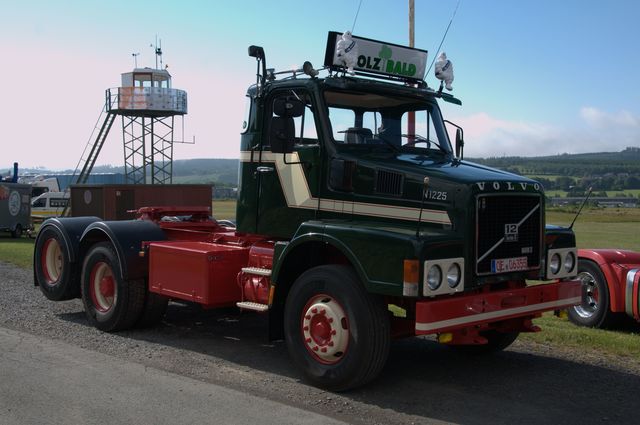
(561, 263)
(444, 276)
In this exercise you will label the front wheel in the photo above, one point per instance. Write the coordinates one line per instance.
(336, 333)
(110, 302)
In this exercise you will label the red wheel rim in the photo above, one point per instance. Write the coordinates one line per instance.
(52, 261)
(102, 287)
(325, 329)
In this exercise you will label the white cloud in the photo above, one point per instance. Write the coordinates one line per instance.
(600, 119)
(487, 136)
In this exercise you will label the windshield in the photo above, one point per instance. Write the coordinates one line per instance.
(369, 119)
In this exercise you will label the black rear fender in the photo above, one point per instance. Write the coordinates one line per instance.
(126, 237)
(70, 230)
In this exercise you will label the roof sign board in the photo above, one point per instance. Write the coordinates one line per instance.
(375, 57)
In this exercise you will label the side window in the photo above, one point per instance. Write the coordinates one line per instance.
(58, 202)
(292, 120)
(247, 113)
(39, 203)
(306, 132)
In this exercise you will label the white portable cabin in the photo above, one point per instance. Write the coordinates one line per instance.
(149, 90)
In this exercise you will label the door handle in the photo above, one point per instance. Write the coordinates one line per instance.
(264, 169)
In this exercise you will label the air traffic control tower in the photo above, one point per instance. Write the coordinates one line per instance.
(148, 107)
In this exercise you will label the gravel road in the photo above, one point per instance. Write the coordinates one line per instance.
(423, 382)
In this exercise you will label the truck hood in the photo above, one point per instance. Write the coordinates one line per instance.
(462, 172)
(444, 175)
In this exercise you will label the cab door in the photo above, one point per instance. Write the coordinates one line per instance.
(288, 172)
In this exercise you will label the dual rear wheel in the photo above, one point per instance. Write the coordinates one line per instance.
(111, 302)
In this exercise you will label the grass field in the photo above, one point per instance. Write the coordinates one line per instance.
(602, 228)
(610, 193)
(595, 228)
(16, 251)
(225, 209)
(560, 332)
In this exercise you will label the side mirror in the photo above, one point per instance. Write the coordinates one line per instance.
(459, 143)
(282, 135)
(459, 139)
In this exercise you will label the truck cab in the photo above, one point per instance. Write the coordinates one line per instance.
(358, 220)
(335, 157)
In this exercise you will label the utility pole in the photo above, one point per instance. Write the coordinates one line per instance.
(411, 117)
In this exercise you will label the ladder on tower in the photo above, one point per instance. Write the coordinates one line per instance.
(91, 151)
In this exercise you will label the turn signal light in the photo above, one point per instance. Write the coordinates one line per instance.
(411, 278)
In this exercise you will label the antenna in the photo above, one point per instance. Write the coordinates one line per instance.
(356, 18)
(158, 51)
(135, 59)
(586, 198)
(443, 37)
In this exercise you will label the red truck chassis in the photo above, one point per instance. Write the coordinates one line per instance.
(212, 265)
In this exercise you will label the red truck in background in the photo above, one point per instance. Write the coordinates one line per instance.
(610, 287)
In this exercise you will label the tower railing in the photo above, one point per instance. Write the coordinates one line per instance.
(160, 100)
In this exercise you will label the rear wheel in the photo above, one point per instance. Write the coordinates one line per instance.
(336, 333)
(594, 310)
(56, 275)
(110, 302)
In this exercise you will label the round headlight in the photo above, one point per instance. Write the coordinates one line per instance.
(434, 277)
(554, 265)
(569, 262)
(453, 275)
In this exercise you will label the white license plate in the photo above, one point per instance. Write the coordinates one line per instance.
(505, 265)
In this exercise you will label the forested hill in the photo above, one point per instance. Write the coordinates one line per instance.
(602, 171)
(627, 161)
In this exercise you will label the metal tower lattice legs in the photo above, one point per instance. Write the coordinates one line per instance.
(148, 149)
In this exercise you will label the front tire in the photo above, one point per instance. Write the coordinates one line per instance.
(595, 309)
(336, 333)
(110, 302)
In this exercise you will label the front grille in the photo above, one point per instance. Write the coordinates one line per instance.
(389, 183)
(508, 228)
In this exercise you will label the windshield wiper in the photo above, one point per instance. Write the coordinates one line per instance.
(421, 139)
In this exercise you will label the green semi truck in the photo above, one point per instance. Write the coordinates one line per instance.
(358, 222)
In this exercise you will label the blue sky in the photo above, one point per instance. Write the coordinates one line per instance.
(535, 77)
